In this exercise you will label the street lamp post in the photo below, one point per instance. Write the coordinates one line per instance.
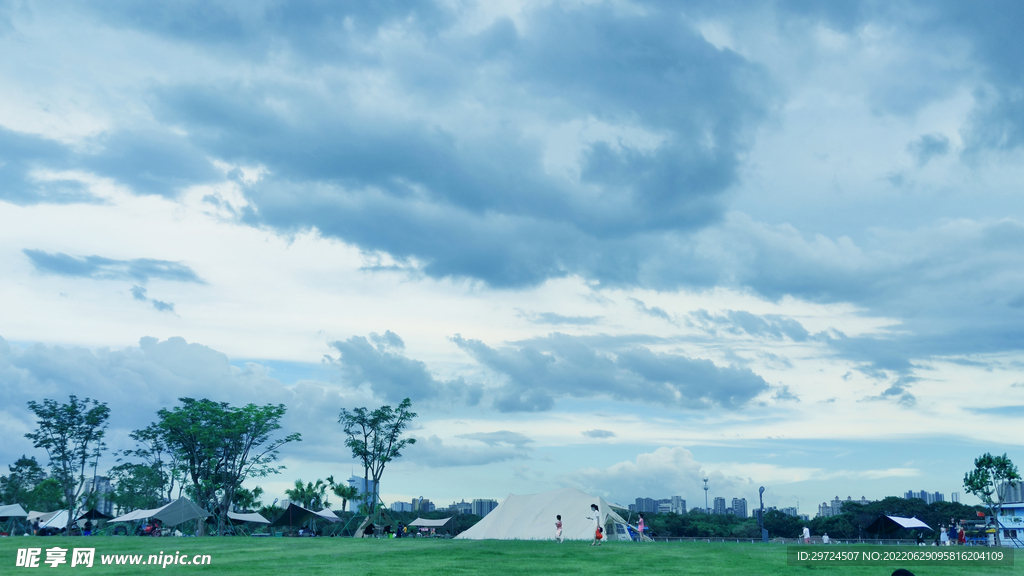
(760, 515)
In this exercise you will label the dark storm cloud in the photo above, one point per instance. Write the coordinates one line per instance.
(483, 206)
(100, 268)
(544, 370)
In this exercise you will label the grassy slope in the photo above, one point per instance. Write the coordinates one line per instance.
(313, 556)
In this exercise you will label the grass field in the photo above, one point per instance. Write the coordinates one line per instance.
(314, 556)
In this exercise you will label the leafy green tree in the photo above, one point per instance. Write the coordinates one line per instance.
(312, 496)
(375, 438)
(151, 448)
(72, 435)
(989, 475)
(220, 446)
(137, 486)
(343, 491)
(48, 495)
(247, 500)
(24, 475)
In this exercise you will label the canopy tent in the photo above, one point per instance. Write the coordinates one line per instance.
(12, 511)
(12, 516)
(889, 524)
(328, 515)
(177, 512)
(251, 517)
(294, 515)
(94, 514)
(444, 525)
(532, 517)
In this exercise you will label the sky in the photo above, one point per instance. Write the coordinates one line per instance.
(613, 245)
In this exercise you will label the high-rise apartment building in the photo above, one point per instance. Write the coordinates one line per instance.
(739, 507)
(719, 505)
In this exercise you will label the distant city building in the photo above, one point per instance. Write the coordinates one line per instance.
(401, 506)
(719, 505)
(363, 487)
(421, 504)
(678, 505)
(739, 507)
(461, 507)
(646, 505)
(955, 497)
(482, 506)
(928, 497)
(101, 486)
(835, 507)
(790, 511)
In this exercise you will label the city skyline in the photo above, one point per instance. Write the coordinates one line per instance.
(618, 246)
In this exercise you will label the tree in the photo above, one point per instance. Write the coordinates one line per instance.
(220, 446)
(343, 491)
(248, 500)
(137, 486)
(151, 447)
(375, 438)
(24, 475)
(72, 435)
(985, 481)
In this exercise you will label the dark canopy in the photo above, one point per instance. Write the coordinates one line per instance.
(293, 516)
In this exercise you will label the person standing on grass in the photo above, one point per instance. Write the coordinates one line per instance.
(597, 524)
(640, 527)
(558, 528)
(807, 535)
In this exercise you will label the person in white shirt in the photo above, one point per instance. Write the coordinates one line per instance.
(807, 535)
(824, 539)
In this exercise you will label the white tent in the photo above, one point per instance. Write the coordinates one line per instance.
(532, 517)
(251, 517)
(12, 510)
(326, 514)
(58, 519)
(181, 510)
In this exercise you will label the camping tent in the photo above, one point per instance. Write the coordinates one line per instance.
(251, 517)
(442, 526)
(12, 511)
(294, 515)
(888, 524)
(94, 514)
(326, 514)
(177, 512)
(11, 516)
(532, 517)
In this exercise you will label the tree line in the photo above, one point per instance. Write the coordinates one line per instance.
(202, 449)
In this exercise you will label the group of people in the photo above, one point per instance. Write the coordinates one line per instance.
(598, 529)
(955, 534)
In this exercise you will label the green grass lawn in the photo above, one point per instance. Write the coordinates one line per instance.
(313, 556)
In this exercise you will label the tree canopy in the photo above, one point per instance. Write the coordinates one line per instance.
(984, 481)
(375, 439)
(72, 435)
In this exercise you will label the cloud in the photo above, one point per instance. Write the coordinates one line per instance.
(652, 310)
(501, 437)
(927, 147)
(100, 268)
(783, 394)
(139, 293)
(598, 433)
(21, 155)
(553, 318)
(560, 366)
(739, 322)
(434, 453)
(384, 369)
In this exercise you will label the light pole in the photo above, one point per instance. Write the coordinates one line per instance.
(706, 509)
(760, 515)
